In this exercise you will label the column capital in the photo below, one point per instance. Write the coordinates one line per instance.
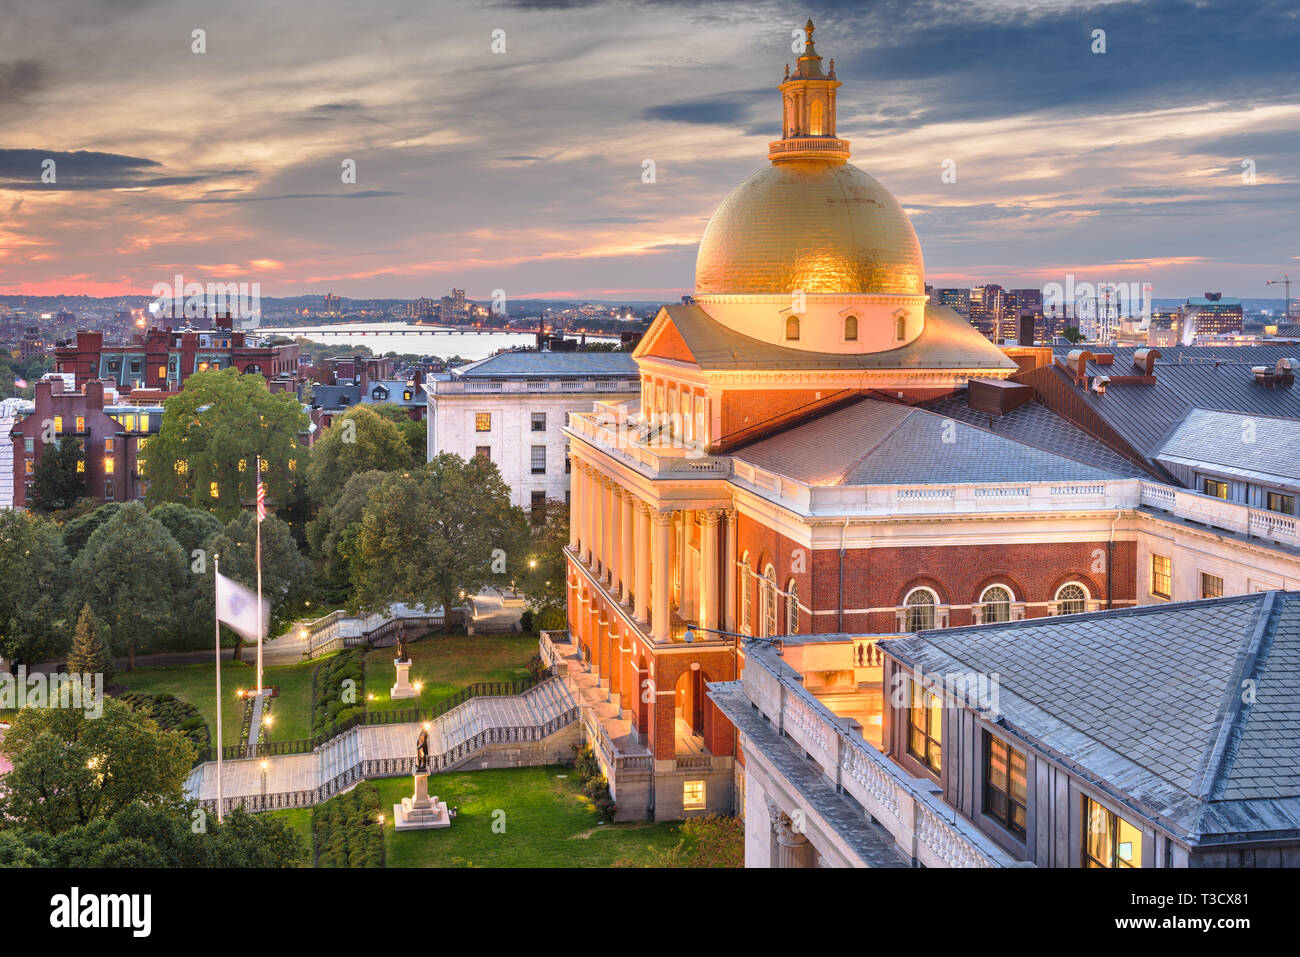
(662, 518)
(730, 514)
(645, 508)
(711, 516)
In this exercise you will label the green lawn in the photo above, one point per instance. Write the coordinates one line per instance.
(298, 818)
(548, 823)
(445, 664)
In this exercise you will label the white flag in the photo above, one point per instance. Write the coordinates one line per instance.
(237, 608)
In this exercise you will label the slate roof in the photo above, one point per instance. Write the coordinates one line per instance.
(396, 388)
(1147, 703)
(880, 443)
(328, 396)
(1036, 425)
(1145, 415)
(549, 364)
(947, 342)
(1257, 448)
(1253, 355)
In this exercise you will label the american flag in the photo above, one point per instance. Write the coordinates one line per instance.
(261, 493)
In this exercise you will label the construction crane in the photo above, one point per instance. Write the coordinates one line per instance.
(1285, 281)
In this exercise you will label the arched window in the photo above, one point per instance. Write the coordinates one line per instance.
(1071, 599)
(920, 604)
(792, 328)
(851, 329)
(746, 596)
(792, 608)
(900, 327)
(815, 124)
(995, 604)
(769, 602)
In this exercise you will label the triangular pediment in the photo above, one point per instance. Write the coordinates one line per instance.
(663, 340)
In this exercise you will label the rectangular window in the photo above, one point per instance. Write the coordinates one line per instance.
(1216, 488)
(1162, 576)
(568, 462)
(58, 423)
(29, 445)
(1108, 839)
(162, 372)
(108, 445)
(108, 489)
(539, 421)
(29, 467)
(925, 728)
(1278, 502)
(1006, 786)
(693, 795)
(482, 421)
(81, 465)
(484, 451)
(539, 507)
(1211, 586)
(139, 466)
(81, 423)
(212, 490)
(539, 460)
(108, 465)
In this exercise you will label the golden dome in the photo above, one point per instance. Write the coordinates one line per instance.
(820, 226)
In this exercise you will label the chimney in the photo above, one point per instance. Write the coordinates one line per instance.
(94, 393)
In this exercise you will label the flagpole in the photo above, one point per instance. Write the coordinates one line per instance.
(260, 509)
(217, 616)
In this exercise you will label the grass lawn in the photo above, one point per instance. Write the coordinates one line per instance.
(548, 823)
(298, 818)
(445, 664)
(197, 685)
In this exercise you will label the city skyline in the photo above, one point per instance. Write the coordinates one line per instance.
(523, 170)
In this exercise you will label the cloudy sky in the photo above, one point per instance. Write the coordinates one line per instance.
(522, 170)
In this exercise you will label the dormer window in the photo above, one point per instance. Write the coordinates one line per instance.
(379, 392)
(792, 329)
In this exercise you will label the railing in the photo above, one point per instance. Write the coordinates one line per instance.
(602, 386)
(1231, 516)
(395, 767)
(654, 451)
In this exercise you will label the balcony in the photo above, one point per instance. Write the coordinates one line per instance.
(1231, 516)
(770, 706)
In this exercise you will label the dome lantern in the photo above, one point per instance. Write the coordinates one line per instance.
(808, 110)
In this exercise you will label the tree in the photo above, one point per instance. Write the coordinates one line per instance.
(1072, 334)
(285, 573)
(333, 534)
(33, 579)
(357, 441)
(192, 528)
(90, 654)
(57, 483)
(415, 433)
(545, 572)
(130, 573)
(78, 531)
(430, 535)
(205, 452)
(70, 769)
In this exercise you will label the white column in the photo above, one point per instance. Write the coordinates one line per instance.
(616, 538)
(729, 574)
(641, 608)
(660, 571)
(584, 512)
(575, 507)
(626, 569)
(593, 518)
(606, 526)
(709, 568)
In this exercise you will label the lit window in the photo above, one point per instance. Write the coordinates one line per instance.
(29, 467)
(1211, 586)
(293, 465)
(1109, 840)
(212, 490)
(482, 421)
(1216, 488)
(81, 465)
(162, 372)
(58, 423)
(81, 423)
(243, 465)
(920, 604)
(140, 444)
(1281, 503)
(139, 466)
(925, 727)
(1006, 785)
(108, 445)
(692, 795)
(108, 465)
(203, 367)
(1162, 576)
(1071, 599)
(995, 604)
(181, 466)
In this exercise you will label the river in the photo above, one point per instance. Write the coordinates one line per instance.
(381, 337)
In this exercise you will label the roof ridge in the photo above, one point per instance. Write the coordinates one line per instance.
(1233, 710)
(881, 440)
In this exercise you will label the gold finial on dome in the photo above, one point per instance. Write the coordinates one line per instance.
(808, 110)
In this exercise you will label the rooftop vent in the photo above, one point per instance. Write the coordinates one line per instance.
(1145, 359)
(1285, 371)
(1263, 375)
(1099, 384)
(1078, 361)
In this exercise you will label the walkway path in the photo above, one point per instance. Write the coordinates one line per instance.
(535, 708)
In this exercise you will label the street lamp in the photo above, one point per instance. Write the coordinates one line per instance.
(689, 637)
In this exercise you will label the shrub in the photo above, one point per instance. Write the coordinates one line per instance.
(329, 710)
(347, 831)
(171, 713)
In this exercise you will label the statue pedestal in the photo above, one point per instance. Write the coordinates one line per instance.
(403, 687)
(420, 811)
